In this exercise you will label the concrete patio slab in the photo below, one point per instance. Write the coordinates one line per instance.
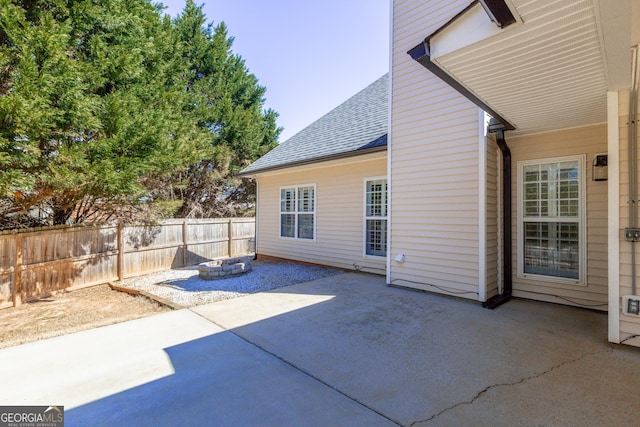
(344, 350)
(173, 369)
(423, 359)
(85, 366)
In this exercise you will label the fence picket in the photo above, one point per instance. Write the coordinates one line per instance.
(41, 261)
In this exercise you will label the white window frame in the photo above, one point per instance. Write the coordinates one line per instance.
(581, 220)
(296, 213)
(365, 217)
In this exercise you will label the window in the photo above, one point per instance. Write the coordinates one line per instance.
(297, 212)
(376, 217)
(551, 212)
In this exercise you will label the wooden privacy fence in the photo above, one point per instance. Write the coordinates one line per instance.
(40, 261)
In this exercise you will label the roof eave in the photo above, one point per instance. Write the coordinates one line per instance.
(543, 74)
(315, 160)
(420, 53)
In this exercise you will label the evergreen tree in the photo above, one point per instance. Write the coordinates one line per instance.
(227, 102)
(106, 107)
(87, 107)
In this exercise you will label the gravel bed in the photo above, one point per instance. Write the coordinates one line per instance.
(183, 285)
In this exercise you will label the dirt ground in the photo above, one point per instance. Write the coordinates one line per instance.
(70, 312)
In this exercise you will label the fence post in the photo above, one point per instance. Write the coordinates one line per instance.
(185, 244)
(17, 283)
(230, 235)
(120, 251)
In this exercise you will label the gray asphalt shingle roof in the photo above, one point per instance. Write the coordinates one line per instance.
(357, 125)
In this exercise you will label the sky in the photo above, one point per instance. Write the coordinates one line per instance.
(310, 55)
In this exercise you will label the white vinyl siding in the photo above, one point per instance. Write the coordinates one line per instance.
(297, 212)
(587, 141)
(339, 231)
(434, 165)
(375, 222)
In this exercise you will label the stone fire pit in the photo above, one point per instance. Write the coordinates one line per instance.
(222, 268)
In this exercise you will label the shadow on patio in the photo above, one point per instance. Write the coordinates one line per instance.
(348, 350)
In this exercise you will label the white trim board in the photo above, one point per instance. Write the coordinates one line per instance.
(482, 206)
(613, 183)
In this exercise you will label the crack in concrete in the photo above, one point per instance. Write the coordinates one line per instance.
(303, 371)
(521, 381)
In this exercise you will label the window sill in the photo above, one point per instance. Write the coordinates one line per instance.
(552, 279)
(297, 239)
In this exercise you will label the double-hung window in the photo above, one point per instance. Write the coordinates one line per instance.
(376, 217)
(297, 211)
(551, 218)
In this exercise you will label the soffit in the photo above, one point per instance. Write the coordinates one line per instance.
(543, 74)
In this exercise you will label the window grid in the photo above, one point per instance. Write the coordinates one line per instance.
(551, 219)
(376, 218)
(297, 212)
(552, 190)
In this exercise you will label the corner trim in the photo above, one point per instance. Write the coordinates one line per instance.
(389, 142)
(613, 215)
(482, 206)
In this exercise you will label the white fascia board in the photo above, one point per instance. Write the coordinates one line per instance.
(471, 27)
